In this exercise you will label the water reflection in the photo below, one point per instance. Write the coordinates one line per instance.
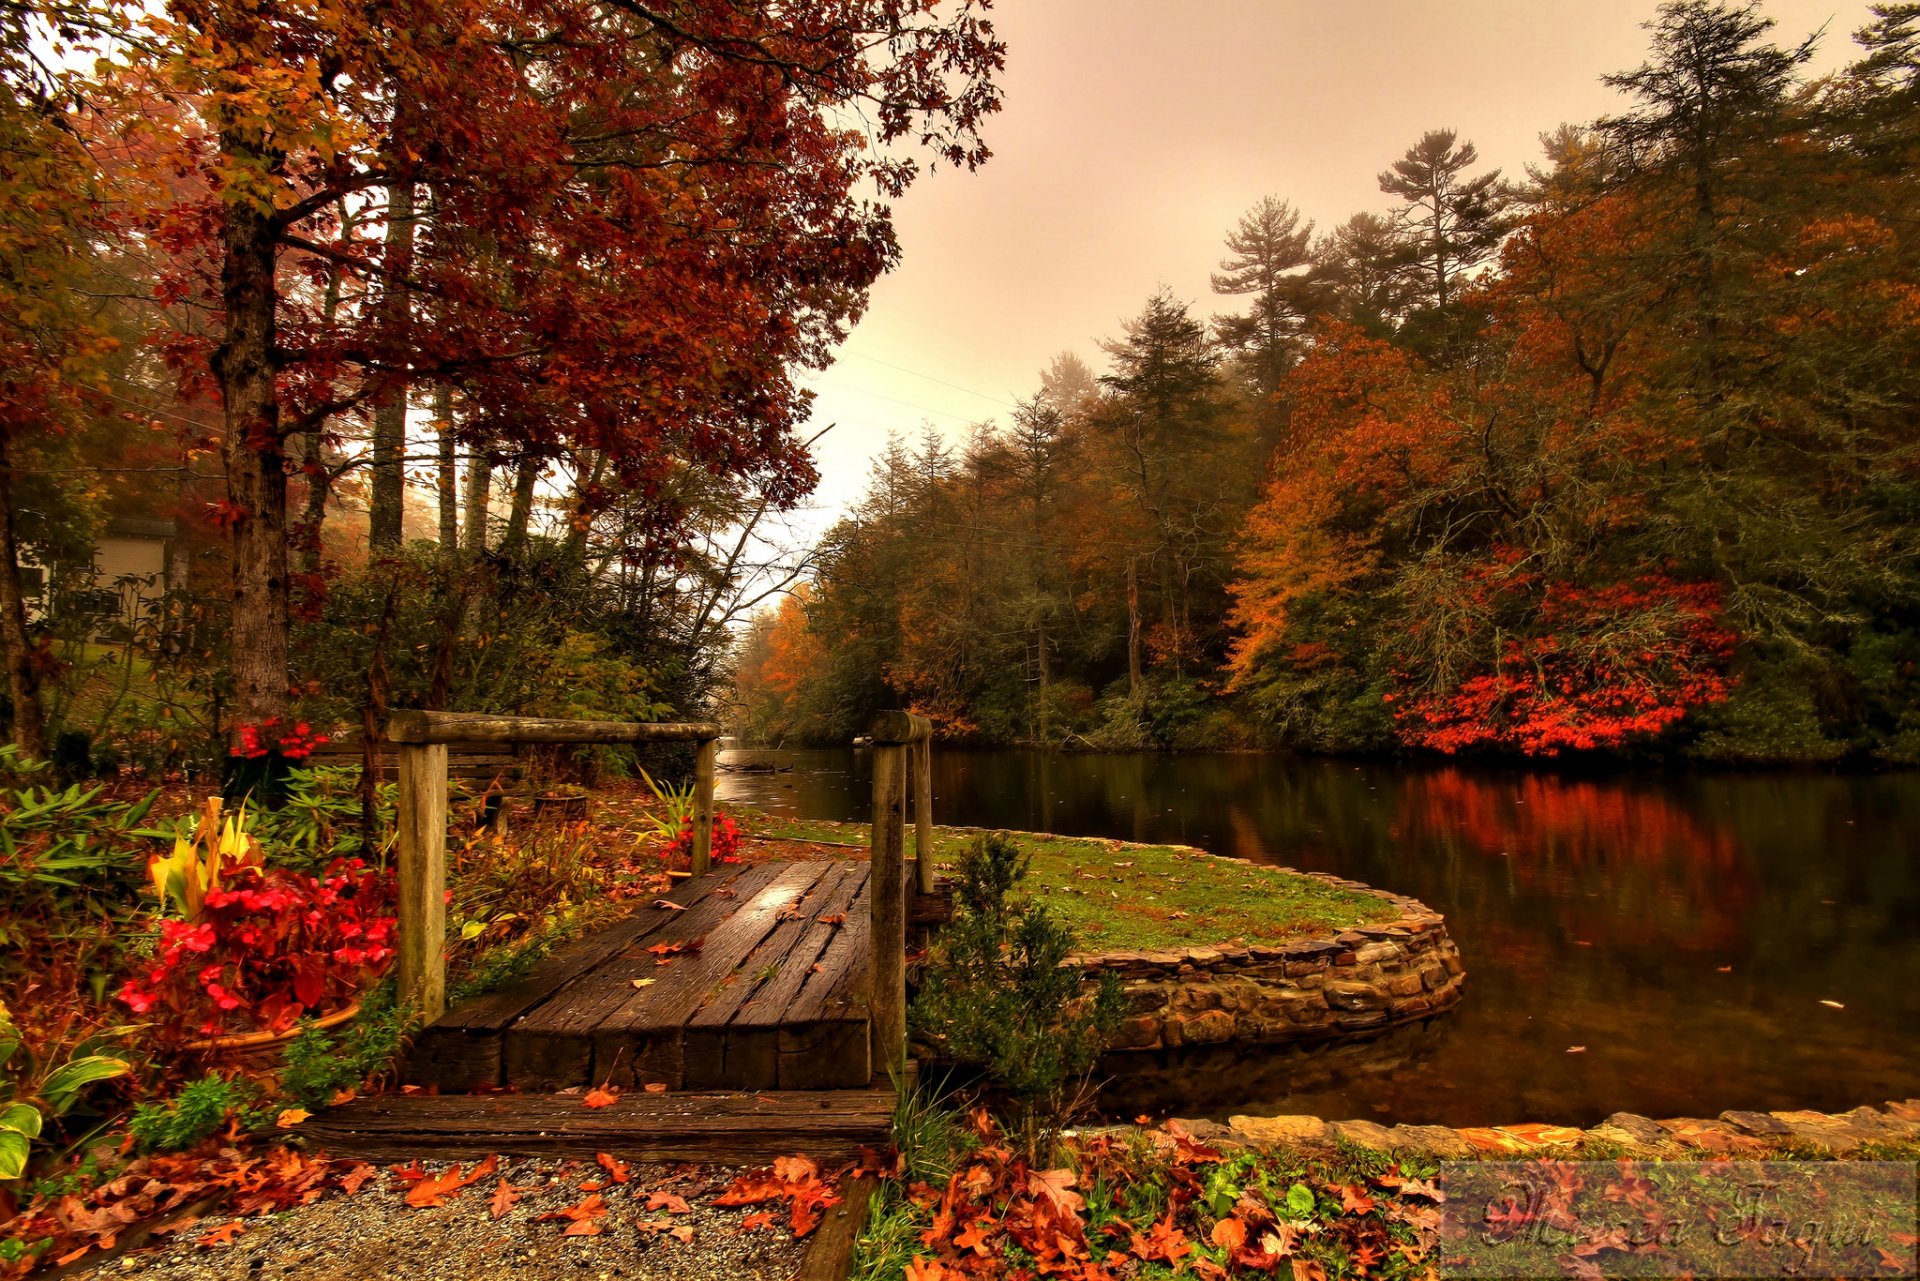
(1683, 929)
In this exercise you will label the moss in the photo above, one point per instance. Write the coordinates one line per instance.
(1121, 897)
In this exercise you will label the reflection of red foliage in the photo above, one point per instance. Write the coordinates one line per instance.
(1611, 665)
(1635, 845)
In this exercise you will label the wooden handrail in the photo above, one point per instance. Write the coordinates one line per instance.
(887, 1011)
(422, 738)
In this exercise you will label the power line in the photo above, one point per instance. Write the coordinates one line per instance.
(930, 378)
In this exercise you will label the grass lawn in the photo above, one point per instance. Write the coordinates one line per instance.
(1122, 897)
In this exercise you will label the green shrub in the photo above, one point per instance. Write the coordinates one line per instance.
(201, 1110)
(995, 993)
(319, 1063)
(38, 1087)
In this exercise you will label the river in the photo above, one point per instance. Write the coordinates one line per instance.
(1667, 944)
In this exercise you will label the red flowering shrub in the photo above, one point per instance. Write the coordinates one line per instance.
(1609, 666)
(267, 947)
(292, 742)
(726, 841)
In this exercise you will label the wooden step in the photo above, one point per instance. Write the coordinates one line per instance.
(712, 1127)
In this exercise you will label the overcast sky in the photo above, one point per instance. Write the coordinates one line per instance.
(1136, 132)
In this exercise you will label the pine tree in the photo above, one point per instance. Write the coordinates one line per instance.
(1453, 218)
(1268, 254)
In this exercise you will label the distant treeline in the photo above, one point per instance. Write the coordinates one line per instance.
(1620, 456)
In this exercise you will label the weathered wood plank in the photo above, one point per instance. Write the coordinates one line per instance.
(552, 1046)
(733, 1042)
(899, 727)
(643, 1040)
(475, 727)
(829, 1254)
(421, 817)
(463, 1048)
(887, 893)
(717, 1128)
(923, 869)
(703, 761)
(841, 983)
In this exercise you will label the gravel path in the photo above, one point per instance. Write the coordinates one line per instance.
(376, 1234)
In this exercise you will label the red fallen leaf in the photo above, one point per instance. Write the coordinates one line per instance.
(602, 1097)
(758, 1219)
(795, 1169)
(355, 1178)
(428, 1193)
(616, 1169)
(804, 1219)
(1229, 1234)
(682, 1234)
(593, 1185)
(1164, 1243)
(667, 904)
(667, 949)
(837, 918)
(667, 1201)
(222, 1235)
(1308, 1270)
(1054, 1186)
(503, 1200)
(923, 1269)
(583, 1218)
(694, 945)
(1353, 1198)
(410, 1173)
(975, 1236)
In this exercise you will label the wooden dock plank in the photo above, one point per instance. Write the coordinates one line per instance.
(733, 1041)
(720, 1128)
(825, 1033)
(642, 1040)
(461, 1048)
(552, 1046)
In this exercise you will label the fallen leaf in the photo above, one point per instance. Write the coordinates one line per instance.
(1576, 1049)
(644, 982)
(837, 918)
(667, 1201)
(290, 1117)
(503, 1198)
(758, 1219)
(1229, 1234)
(355, 1178)
(1833, 1005)
(682, 1234)
(666, 949)
(603, 1097)
(655, 1087)
(668, 904)
(222, 1235)
(342, 1097)
(616, 1169)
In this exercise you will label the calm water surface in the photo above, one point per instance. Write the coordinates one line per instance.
(1685, 929)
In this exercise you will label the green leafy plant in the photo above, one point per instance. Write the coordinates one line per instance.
(676, 807)
(319, 819)
(200, 1110)
(996, 995)
(318, 1064)
(32, 1092)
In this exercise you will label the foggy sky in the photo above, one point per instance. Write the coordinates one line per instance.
(1136, 132)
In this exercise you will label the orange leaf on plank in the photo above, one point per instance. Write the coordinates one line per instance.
(601, 1097)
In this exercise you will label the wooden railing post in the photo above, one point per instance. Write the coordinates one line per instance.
(923, 815)
(887, 890)
(422, 819)
(703, 764)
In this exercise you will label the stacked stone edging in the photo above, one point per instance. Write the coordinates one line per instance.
(1734, 1134)
(1356, 983)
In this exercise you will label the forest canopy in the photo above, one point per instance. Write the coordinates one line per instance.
(1616, 455)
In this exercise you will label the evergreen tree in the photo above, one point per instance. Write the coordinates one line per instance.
(1452, 217)
(1268, 254)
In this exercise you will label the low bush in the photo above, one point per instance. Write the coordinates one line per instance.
(995, 994)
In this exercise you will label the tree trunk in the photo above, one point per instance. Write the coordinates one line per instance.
(1133, 630)
(255, 457)
(446, 478)
(479, 500)
(313, 516)
(520, 514)
(386, 508)
(23, 682)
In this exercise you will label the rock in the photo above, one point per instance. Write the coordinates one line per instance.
(1365, 1134)
(1374, 953)
(1405, 985)
(1279, 1129)
(1821, 1130)
(1626, 1127)
(1429, 1140)
(1354, 996)
(1207, 1028)
(1140, 1033)
(1754, 1122)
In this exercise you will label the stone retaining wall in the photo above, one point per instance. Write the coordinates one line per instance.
(1355, 983)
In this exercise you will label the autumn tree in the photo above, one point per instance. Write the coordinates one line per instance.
(1452, 217)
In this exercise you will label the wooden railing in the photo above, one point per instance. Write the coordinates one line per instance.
(421, 739)
(898, 737)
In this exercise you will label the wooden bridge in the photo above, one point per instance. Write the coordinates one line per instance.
(764, 1004)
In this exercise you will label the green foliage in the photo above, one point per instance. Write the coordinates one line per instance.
(996, 994)
(319, 1063)
(201, 1109)
(319, 820)
(67, 856)
(34, 1092)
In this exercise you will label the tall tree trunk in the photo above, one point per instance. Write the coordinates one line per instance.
(255, 456)
(1046, 682)
(386, 509)
(1133, 630)
(23, 682)
(479, 500)
(520, 514)
(446, 483)
(313, 515)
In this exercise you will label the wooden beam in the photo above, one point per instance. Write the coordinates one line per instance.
(474, 727)
(888, 893)
(421, 815)
(899, 727)
(923, 870)
(703, 805)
